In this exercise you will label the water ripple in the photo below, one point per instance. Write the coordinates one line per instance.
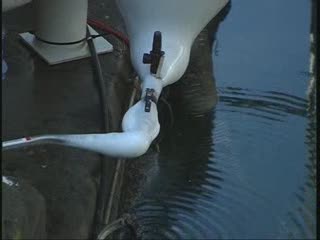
(219, 172)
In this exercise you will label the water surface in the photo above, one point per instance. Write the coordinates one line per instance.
(246, 169)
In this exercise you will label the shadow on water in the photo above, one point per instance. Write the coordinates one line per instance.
(244, 169)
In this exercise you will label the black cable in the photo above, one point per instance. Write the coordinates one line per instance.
(59, 43)
(162, 99)
(99, 35)
(97, 71)
(102, 194)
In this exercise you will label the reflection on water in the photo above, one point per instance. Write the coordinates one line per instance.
(246, 169)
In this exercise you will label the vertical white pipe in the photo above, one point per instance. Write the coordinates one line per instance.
(61, 20)
(11, 4)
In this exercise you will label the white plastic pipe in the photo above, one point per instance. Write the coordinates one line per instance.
(12, 4)
(140, 128)
(53, 22)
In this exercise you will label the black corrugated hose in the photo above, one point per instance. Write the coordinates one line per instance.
(102, 195)
(102, 192)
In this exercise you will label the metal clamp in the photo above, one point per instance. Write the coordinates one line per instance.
(150, 97)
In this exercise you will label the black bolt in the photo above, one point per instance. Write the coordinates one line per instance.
(153, 58)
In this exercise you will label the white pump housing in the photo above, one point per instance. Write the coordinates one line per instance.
(179, 21)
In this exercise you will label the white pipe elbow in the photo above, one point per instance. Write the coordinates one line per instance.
(136, 145)
(143, 127)
(140, 128)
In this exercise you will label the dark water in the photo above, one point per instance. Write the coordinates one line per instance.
(247, 168)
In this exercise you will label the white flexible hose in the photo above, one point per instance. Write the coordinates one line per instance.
(140, 129)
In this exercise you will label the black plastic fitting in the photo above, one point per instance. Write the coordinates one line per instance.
(153, 58)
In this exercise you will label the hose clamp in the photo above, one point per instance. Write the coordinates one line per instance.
(150, 97)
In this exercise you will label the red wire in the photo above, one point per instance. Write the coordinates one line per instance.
(105, 28)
